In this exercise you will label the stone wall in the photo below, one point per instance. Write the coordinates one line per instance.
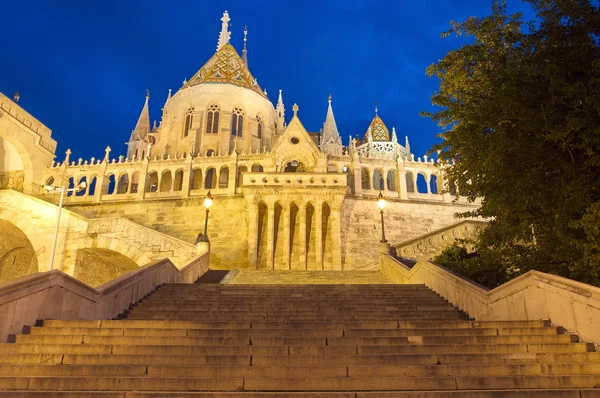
(228, 224)
(17, 256)
(97, 266)
(361, 225)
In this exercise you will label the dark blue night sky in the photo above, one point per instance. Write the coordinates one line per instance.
(83, 67)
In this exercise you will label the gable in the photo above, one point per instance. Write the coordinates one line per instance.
(296, 144)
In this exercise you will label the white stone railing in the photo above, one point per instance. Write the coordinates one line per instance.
(56, 295)
(431, 244)
(156, 244)
(532, 296)
(295, 179)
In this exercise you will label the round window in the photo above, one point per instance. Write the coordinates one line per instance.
(294, 140)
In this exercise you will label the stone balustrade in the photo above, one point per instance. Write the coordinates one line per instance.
(56, 295)
(295, 180)
(532, 296)
(431, 244)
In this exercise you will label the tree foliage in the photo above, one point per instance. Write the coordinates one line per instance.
(520, 111)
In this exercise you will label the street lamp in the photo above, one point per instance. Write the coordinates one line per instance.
(207, 203)
(55, 189)
(381, 203)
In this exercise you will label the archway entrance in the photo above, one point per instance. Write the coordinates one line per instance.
(12, 171)
(293, 167)
(17, 255)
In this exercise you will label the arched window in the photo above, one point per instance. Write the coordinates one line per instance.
(210, 152)
(189, 116)
(212, 119)
(237, 121)
(259, 128)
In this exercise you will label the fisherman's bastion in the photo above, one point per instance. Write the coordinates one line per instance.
(229, 252)
(284, 198)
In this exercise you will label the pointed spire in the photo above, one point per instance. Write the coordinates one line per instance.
(330, 130)
(406, 144)
(168, 96)
(142, 128)
(280, 109)
(394, 137)
(245, 51)
(225, 34)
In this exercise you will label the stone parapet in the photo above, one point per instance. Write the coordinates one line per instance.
(532, 296)
(56, 295)
(431, 244)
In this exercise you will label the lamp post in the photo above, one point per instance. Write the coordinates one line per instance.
(55, 189)
(381, 203)
(207, 203)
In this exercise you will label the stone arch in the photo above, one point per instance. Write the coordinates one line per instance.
(166, 181)
(421, 183)
(257, 168)
(240, 171)
(196, 179)
(224, 177)
(433, 184)
(410, 182)
(365, 178)
(178, 183)
(391, 180)
(95, 266)
(123, 183)
(332, 168)
(210, 181)
(135, 182)
(16, 165)
(378, 180)
(120, 246)
(17, 254)
(32, 233)
(151, 181)
(83, 192)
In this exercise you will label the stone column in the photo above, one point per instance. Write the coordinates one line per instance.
(286, 237)
(142, 180)
(100, 180)
(187, 175)
(428, 183)
(336, 237)
(232, 177)
(252, 235)
(270, 234)
(302, 235)
(319, 233)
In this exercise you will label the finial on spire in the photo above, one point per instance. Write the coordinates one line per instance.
(376, 110)
(245, 51)
(147, 94)
(295, 109)
(225, 34)
(329, 99)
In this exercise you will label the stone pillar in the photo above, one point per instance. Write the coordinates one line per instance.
(428, 180)
(187, 175)
(232, 178)
(286, 237)
(319, 233)
(252, 235)
(270, 235)
(336, 237)
(100, 180)
(142, 179)
(302, 235)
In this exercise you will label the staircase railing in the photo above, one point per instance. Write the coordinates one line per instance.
(531, 296)
(431, 244)
(56, 295)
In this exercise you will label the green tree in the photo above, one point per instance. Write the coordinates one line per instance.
(520, 111)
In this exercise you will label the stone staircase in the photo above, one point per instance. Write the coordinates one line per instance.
(350, 341)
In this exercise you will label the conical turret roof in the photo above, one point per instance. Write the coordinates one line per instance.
(379, 130)
(226, 66)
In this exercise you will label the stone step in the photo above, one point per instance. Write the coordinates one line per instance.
(334, 332)
(563, 393)
(121, 383)
(355, 324)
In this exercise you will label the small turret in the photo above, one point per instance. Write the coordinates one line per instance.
(280, 109)
(331, 142)
(139, 136)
